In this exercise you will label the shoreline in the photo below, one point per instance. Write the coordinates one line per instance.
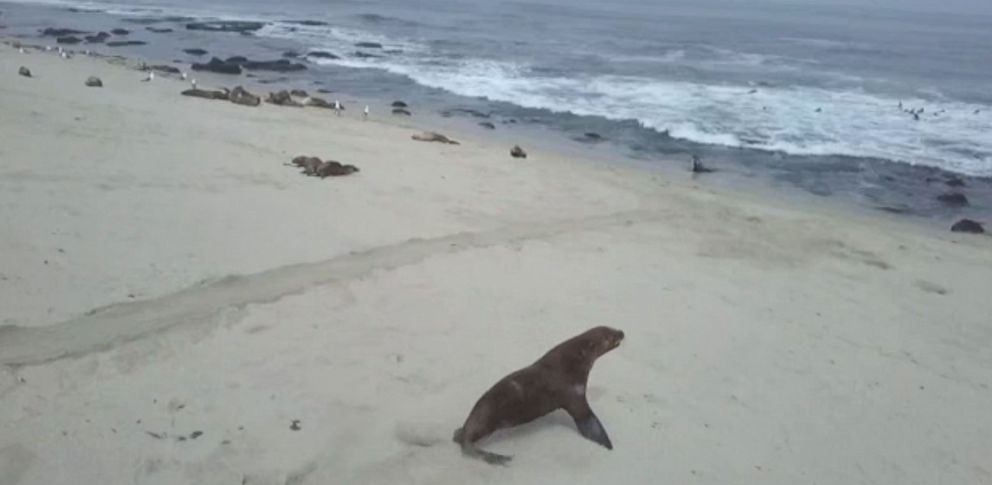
(181, 307)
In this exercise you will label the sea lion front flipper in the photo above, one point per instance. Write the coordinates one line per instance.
(593, 430)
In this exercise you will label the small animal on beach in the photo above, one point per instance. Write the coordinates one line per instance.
(150, 78)
(556, 381)
(365, 112)
(337, 107)
(192, 83)
(21, 50)
(183, 75)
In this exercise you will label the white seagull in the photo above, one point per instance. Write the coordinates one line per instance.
(193, 82)
(365, 112)
(337, 107)
(183, 75)
(151, 76)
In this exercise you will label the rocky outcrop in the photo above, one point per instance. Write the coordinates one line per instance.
(299, 93)
(23, 71)
(399, 104)
(281, 65)
(517, 152)
(368, 45)
(218, 66)
(322, 55)
(968, 226)
(120, 31)
(159, 30)
(69, 40)
(97, 38)
(195, 52)
(431, 136)
(402, 112)
(226, 26)
(94, 82)
(240, 95)
(125, 43)
(953, 198)
(165, 68)
(59, 32)
(207, 94)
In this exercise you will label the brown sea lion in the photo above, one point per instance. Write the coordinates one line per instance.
(556, 381)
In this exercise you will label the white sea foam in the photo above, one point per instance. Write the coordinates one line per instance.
(852, 123)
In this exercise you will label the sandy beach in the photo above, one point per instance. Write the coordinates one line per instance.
(180, 306)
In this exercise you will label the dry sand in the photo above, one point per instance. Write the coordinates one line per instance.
(163, 273)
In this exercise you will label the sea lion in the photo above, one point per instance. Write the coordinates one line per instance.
(556, 381)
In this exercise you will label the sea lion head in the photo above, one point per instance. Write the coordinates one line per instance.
(600, 340)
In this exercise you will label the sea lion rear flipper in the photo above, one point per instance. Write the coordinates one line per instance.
(593, 430)
(489, 457)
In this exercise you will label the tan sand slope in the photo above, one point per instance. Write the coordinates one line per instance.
(764, 345)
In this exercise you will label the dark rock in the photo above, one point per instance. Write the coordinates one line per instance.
(69, 39)
(23, 71)
(365, 55)
(159, 30)
(435, 137)
(953, 198)
(465, 111)
(120, 31)
(124, 43)
(218, 66)
(97, 38)
(54, 32)
(195, 52)
(236, 60)
(369, 45)
(282, 98)
(295, 425)
(291, 54)
(486, 124)
(281, 65)
(954, 182)
(517, 152)
(157, 20)
(591, 137)
(299, 93)
(324, 91)
(402, 112)
(165, 68)
(196, 434)
(94, 82)
(226, 26)
(322, 55)
(399, 104)
(968, 226)
(207, 94)
(240, 95)
(310, 23)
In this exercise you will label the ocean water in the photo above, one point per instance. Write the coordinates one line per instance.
(808, 95)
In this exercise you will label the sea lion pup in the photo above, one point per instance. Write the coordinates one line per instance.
(556, 381)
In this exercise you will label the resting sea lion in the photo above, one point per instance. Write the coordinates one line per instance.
(556, 381)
